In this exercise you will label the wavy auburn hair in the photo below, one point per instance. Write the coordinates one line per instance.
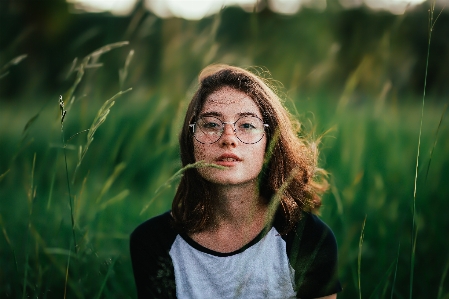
(290, 178)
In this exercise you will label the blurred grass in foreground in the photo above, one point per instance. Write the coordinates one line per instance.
(370, 152)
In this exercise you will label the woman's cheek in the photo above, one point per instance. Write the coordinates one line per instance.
(199, 153)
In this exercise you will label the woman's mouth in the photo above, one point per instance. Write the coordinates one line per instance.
(228, 160)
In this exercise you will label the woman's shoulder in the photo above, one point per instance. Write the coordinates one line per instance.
(312, 250)
(152, 266)
(311, 231)
(316, 229)
(159, 228)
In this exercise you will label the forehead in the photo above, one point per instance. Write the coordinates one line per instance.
(230, 102)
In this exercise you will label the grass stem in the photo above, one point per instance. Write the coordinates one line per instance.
(31, 195)
(413, 241)
(395, 272)
(67, 272)
(435, 141)
(359, 260)
(63, 114)
(443, 277)
(111, 265)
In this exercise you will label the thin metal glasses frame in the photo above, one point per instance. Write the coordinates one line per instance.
(234, 130)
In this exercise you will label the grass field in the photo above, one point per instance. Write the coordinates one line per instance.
(370, 154)
(369, 146)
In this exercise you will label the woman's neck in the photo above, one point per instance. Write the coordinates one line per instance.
(239, 215)
(237, 206)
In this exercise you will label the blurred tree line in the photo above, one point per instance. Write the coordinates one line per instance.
(336, 50)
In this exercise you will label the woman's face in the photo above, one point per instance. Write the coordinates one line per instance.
(243, 162)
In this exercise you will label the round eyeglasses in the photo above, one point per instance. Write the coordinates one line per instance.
(248, 129)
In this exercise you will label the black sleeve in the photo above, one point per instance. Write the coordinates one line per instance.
(312, 251)
(153, 269)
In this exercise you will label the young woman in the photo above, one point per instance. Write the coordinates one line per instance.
(241, 224)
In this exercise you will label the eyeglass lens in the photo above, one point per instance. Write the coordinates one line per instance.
(248, 129)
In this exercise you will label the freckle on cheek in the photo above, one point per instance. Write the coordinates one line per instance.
(199, 154)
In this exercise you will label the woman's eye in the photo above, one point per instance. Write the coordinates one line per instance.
(210, 125)
(247, 126)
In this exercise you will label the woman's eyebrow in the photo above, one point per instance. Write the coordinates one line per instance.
(248, 114)
(211, 113)
(218, 114)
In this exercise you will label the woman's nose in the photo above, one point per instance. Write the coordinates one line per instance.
(228, 136)
(228, 128)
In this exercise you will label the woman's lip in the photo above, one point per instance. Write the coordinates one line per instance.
(227, 163)
(228, 158)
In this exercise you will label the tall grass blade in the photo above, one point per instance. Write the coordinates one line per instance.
(435, 141)
(4, 174)
(123, 73)
(413, 241)
(25, 277)
(117, 170)
(119, 197)
(383, 280)
(276, 199)
(59, 251)
(337, 197)
(67, 272)
(99, 119)
(61, 269)
(359, 259)
(79, 75)
(304, 262)
(177, 175)
(30, 122)
(444, 6)
(31, 194)
(12, 62)
(395, 272)
(50, 194)
(72, 68)
(443, 278)
(72, 218)
(76, 134)
(85, 64)
(107, 48)
(111, 265)
(70, 199)
(80, 195)
(9, 243)
(413, 258)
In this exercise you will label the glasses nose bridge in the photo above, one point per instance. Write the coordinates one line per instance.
(232, 124)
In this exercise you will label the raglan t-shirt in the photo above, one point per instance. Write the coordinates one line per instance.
(299, 264)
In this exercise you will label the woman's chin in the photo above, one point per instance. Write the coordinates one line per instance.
(228, 180)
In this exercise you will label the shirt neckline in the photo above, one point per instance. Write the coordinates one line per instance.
(201, 248)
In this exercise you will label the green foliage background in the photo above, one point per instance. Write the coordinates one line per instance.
(353, 77)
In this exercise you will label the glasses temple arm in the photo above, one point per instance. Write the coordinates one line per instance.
(193, 127)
